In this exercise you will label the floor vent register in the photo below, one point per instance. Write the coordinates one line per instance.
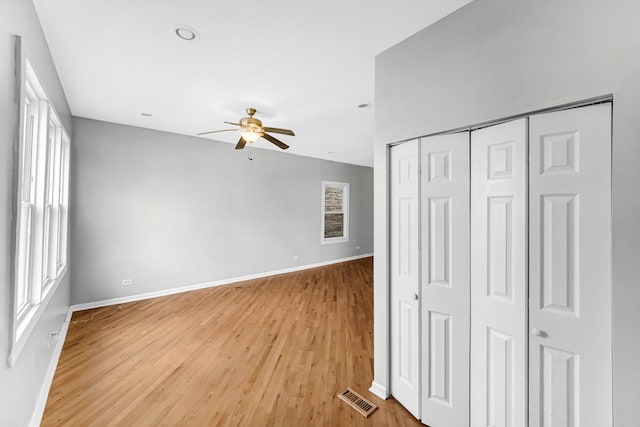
(357, 402)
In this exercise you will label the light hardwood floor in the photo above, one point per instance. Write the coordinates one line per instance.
(266, 352)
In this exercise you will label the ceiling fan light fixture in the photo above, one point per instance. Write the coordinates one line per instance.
(250, 135)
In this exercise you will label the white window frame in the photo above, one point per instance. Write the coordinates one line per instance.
(41, 239)
(345, 186)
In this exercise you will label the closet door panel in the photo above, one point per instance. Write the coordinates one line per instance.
(445, 279)
(405, 275)
(570, 268)
(499, 275)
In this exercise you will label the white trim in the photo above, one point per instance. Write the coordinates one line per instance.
(172, 291)
(38, 411)
(379, 390)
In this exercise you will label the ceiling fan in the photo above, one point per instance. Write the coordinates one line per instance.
(251, 129)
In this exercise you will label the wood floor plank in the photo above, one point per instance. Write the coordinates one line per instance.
(266, 352)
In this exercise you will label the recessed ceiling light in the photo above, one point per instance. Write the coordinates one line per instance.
(146, 114)
(367, 105)
(186, 33)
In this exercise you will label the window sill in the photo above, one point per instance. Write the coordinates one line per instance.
(334, 240)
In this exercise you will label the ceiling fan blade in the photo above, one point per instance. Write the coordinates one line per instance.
(275, 141)
(279, 130)
(216, 131)
(235, 124)
(241, 143)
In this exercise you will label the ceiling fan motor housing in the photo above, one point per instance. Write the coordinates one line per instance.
(250, 123)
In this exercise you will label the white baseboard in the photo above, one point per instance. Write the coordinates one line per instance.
(172, 291)
(38, 412)
(379, 390)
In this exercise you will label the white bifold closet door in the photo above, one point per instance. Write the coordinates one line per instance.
(445, 279)
(405, 275)
(570, 268)
(499, 275)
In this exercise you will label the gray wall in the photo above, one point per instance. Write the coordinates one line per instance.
(20, 385)
(497, 58)
(167, 210)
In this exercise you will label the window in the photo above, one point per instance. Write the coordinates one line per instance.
(335, 212)
(42, 207)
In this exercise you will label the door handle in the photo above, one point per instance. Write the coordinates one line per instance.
(538, 333)
(415, 297)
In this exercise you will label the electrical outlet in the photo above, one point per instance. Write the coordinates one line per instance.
(127, 282)
(53, 338)
(296, 257)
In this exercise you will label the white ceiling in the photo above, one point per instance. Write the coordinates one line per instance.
(304, 65)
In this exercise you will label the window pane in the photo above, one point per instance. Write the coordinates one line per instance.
(24, 258)
(28, 157)
(49, 236)
(46, 247)
(60, 206)
(26, 152)
(51, 160)
(333, 199)
(333, 225)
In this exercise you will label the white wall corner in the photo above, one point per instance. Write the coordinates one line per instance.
(38, 411)
(379, 390)
(381, 307)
